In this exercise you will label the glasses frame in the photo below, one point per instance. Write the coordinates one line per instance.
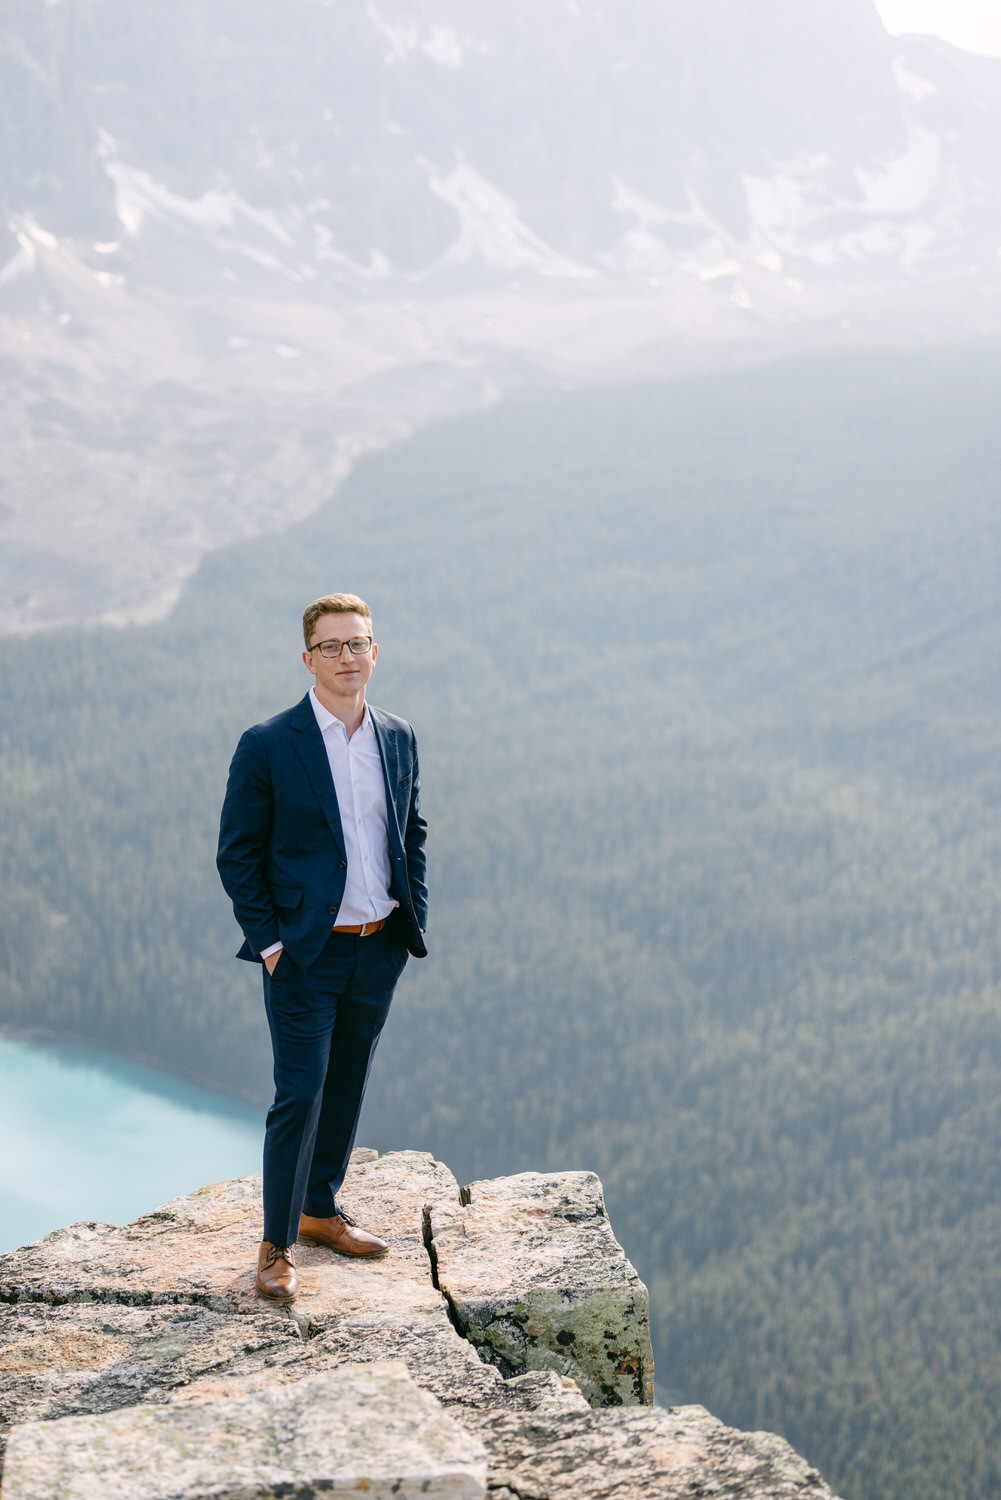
(336, 655)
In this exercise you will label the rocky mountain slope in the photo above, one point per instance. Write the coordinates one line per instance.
(241, 246)
(411, 141)
(138, 1362)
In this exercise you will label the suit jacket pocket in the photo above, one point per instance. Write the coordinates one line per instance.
(286, 897)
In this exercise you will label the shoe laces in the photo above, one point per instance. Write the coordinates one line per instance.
(276, 1253)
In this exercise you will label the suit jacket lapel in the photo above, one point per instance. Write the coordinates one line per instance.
(307, 741)
(389, 754)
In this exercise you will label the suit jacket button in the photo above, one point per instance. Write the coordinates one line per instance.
(331, 911)
(344, 864)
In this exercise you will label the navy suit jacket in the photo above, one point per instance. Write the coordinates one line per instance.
(281, 850)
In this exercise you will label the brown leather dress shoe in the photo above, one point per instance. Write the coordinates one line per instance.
(342, 1234)
(276, 1278)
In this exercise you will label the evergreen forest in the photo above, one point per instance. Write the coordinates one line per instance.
(707, 684)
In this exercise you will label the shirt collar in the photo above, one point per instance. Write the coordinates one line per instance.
(327, 720)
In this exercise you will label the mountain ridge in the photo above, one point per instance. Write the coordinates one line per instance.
(357, 144)
(239, 249)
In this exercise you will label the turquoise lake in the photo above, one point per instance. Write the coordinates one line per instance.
(87, 1136)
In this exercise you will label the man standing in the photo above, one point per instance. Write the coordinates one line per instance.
(321, 849)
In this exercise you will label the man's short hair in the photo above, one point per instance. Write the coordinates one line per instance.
(332, 604)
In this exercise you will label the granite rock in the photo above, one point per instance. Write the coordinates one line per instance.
(71, 1360)
(156, 1308)
(537, 1281)
(154, 1335)
(358, 1430)
(202, 1249)
(545, 1443)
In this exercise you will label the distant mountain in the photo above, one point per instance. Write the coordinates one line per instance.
(359, 144)
(241, 244)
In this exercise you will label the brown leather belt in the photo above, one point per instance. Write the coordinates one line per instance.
(365, 930)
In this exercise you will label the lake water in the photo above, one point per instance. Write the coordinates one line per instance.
(87, 1136)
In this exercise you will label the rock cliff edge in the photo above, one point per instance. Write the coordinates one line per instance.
(502, 1349)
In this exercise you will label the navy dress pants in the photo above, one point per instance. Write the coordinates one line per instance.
(325, 1024)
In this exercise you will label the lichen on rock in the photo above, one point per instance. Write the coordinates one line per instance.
(537, 1281)
(144, 1350)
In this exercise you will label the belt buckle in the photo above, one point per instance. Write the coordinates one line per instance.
(364, 930)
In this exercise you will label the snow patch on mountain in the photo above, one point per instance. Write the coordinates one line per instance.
(442, 43)
(646, 248)
(783, 206)
(402, 38)
(910, 85)
(17, 51)
(444, 47)
(326, 250)
(644, 210)
(906, 183)
(139, 196)
(29, 236)
(220, 214)
(490, 230)
(797, 211)
(639, 253)
(22, 262)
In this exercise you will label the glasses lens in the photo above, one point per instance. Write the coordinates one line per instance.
(358, 645)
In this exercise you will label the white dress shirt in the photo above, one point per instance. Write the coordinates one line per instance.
(356, 766)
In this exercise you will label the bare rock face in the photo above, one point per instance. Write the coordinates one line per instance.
(502, 1345)
(194, 1249)
(537, 1281)
(355, 1430)
(95, 1357)
(166, 1306)
(544, 1441)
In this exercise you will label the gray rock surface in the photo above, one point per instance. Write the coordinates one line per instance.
(544, 1445)
(124, 1351)
(366, 1430)
(537, 1281)
(167, 1287)
(77, 1359)
(202, 1249)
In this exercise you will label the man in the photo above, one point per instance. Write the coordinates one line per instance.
(321, 849)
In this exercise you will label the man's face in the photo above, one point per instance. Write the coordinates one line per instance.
(342, 676)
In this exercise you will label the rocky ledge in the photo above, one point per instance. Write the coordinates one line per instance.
(502, 1348)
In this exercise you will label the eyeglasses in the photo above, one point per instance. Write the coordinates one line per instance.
(358, 645)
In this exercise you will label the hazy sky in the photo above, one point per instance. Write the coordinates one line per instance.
(973, 24)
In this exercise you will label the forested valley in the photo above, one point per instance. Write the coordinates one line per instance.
(706, 680)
